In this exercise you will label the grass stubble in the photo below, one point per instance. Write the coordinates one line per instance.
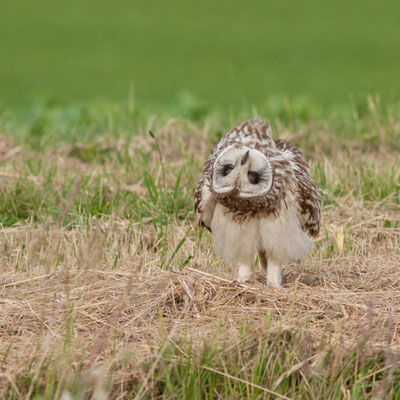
(108, 290)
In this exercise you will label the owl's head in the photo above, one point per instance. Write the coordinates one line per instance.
(242, 171)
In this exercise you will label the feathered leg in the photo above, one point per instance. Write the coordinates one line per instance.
(273, 269)
(245, 271)
(274, 275)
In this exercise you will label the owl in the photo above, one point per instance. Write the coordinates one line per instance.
(256, 197)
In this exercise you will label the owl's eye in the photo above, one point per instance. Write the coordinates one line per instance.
(254, 177)
(226, 169)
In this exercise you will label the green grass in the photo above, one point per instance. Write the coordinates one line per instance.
(262, 364)
(371, 121)
(269, 366)
(41, 191)
(95, 179)
(228, 53)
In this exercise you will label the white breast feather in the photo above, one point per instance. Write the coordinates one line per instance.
(232, 241)
(281, 237)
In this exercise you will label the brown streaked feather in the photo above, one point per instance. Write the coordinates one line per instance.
(307, 194)
(250, 133)
(204, 202)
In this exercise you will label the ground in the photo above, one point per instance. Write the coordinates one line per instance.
(108, 288)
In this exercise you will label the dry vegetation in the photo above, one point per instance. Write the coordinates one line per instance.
(99, 300)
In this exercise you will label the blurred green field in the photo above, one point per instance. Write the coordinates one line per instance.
(227, 53)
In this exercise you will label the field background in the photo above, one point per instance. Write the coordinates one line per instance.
(226, 53)
(107, 287)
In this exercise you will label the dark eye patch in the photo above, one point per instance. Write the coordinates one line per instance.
(226, 169)
(254, 177)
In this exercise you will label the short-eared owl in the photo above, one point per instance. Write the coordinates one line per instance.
(256, 194)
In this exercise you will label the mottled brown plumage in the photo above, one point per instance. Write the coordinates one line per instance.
(273, 187)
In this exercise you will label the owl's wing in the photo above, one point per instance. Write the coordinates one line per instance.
(308, 195)
(204, 200)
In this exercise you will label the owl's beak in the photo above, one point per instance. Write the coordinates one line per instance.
(245, 158)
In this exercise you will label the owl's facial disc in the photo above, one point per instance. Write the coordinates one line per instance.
(226, 171)
(243, 172)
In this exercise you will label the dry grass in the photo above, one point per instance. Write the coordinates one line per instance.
(90, 296)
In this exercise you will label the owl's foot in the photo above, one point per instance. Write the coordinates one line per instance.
(245, 272)
(274, 275)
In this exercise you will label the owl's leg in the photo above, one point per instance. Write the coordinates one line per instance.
(245, 272)
(273, 269)
(274, 275)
